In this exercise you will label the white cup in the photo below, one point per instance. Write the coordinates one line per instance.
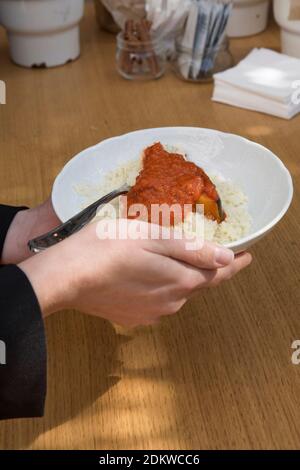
(42, 32)
(290, 29)
(248, 17)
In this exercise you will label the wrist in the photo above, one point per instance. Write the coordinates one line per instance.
(48, 273)
(26, 225)
(13, 251)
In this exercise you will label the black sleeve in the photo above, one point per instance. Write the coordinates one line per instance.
(22, 341)
(7, 214)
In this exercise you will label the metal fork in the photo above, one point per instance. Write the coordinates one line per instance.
(74, 224)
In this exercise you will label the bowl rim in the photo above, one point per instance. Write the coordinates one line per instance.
(232, 245)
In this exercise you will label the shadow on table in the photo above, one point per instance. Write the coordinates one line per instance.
(82, 360)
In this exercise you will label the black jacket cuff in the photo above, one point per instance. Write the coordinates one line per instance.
(7, 214)
(23, 347)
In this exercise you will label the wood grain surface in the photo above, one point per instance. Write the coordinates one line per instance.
(217, 375)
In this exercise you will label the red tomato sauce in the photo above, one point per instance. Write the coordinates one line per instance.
(167, 178)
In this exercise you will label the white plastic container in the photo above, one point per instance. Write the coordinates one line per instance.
(42, 32)
(248, 17)
(290, 29)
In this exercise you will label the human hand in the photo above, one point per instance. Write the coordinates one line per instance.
(25, 226)
(129, 282)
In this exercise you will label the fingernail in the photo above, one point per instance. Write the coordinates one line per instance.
(224, 256)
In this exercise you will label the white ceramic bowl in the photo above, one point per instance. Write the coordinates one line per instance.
(259, 173)
(42, 32)
(290, 29)
(248, 17)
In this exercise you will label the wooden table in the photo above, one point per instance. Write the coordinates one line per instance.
(217, 375)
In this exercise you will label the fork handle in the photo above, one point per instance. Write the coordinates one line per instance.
(74, 224)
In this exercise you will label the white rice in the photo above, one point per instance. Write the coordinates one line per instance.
(234, 201)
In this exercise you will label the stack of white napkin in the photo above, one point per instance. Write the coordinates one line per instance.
(264, 81)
